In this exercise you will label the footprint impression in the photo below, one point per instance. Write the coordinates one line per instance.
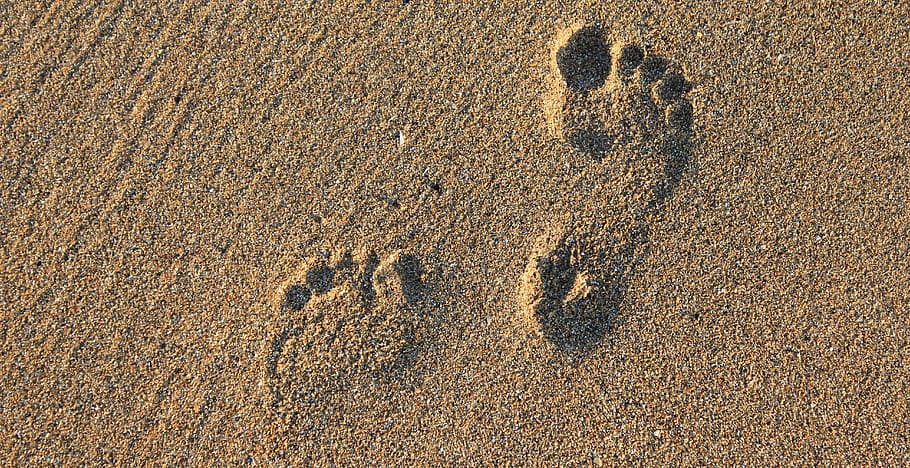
(628, 109)
(349, 319)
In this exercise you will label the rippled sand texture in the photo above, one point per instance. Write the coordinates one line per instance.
(404, 233)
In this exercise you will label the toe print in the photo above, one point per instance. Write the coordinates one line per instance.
(628, 58)
(352, 319)
(602, 96)
(628, 108)
(584, 61)
(296, 297)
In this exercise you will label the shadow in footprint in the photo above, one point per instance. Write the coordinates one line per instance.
(591, 139)
(580, 326)
(296, 297)
(411, 271)
(574, 292)
(572, 308)
(676, 148)
(355, 322)
(608, 95)
(584, 60)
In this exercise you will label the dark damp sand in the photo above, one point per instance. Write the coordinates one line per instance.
(170, 171)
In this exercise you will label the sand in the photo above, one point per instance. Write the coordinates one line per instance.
(401, 233)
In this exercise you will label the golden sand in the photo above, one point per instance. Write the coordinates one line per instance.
(408, 233)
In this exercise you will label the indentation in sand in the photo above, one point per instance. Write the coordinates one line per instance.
(603, 94)
(628, 108)
(561, 295)
(350, 319)
(584, 59)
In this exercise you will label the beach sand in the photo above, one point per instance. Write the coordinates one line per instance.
(590, 233)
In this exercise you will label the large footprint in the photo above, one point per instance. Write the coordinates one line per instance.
(628, 109)
(347, 319)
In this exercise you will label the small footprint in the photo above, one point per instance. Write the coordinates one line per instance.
(628, 109)
(346, 319)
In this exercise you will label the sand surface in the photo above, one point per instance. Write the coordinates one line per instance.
(402, 232)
